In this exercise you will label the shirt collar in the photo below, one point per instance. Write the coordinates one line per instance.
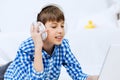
(45, 54)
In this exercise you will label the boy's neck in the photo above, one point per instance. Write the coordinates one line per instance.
(48, 48)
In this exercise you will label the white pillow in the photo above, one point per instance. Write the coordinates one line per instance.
(3, 57)
(10, 42)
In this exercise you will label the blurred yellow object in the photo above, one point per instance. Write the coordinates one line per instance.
(90, 25)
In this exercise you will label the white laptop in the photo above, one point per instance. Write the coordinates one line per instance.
(111, 66)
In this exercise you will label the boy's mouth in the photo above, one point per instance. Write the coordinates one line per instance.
(59, 37)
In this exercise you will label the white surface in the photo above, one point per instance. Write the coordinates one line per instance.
(111, 66)
(90, 46)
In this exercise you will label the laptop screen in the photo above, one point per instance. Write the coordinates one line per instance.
(111, 66)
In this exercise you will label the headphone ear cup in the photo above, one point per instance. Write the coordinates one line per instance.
(42, 29)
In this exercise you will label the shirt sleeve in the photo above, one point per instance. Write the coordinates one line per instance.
(22, 67)
(71, 64)
(27, 66)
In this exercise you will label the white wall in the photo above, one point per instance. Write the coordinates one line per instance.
(17, 15)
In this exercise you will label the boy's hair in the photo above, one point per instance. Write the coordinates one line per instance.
(50, 13)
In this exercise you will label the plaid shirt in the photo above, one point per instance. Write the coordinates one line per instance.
(22, 67)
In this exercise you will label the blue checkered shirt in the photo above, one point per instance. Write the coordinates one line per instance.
(22, 66)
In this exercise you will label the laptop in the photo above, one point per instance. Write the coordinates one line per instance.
(111, 66)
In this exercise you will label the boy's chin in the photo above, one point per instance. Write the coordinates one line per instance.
(58, 43)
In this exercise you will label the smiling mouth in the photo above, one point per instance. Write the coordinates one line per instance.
(59, 37)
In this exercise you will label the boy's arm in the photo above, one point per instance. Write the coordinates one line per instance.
(36, 36)
(95, 77)
(73, 67)
(71, 64)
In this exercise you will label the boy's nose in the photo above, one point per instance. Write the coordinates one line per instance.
(60, 29)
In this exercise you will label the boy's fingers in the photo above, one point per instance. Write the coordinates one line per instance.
(32, 28)
(37, 27)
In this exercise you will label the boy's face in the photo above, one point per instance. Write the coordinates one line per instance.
(55, 31)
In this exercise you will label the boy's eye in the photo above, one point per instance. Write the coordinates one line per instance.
(53, 26)
(62, 26)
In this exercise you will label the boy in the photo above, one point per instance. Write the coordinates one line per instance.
(39, 59)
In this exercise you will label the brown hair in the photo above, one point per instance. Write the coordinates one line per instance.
(50, 13)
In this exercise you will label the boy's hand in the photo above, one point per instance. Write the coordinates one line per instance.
(38, 42)
(92, 77)
(36, 35)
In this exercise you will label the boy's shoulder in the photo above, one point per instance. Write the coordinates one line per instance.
(65, 42)
(28, 41)
(27, 44)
